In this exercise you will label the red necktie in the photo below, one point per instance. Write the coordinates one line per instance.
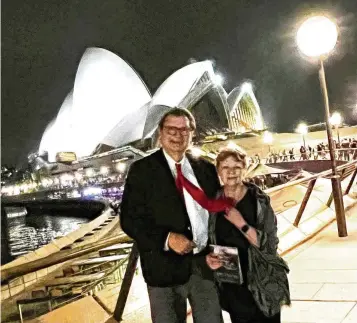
(220, 204)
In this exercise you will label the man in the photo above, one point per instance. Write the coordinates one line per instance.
(171, 229)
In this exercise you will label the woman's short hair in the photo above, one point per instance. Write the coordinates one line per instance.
(178, 112)
(237, 153)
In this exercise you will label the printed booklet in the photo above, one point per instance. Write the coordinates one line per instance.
(231, 271)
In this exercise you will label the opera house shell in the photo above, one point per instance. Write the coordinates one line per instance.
(110, 106)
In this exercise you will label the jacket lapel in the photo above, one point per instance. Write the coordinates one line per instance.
(166, 178)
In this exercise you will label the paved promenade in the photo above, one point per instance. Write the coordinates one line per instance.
(323, 280)
(323, 277)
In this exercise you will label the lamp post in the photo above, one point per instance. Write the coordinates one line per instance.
(316, 37)
(268, 138)
(336, 121)
(303, 130)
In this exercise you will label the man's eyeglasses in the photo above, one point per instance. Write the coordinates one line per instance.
(185, 131)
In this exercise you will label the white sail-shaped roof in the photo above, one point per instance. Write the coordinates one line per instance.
(106, 89)
(236, 95)
(58, 135)
(63, 126)
(111, 105)
(129, 129)
(63, 118)
(49, 141)
(175, 89)
(177, 86)
(154, 116)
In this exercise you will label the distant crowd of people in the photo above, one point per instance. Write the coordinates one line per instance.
(345, 150)
(270, 180)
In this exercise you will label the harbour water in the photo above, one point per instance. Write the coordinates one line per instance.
(22, 232)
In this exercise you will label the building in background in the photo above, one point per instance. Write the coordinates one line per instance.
(111, 107)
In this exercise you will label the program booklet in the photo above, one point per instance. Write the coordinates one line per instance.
(231, 271)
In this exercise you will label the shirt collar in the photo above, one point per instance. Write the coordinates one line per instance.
(171, 161)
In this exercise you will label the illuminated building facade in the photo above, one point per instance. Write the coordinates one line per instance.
(110, 107)
(244, 109)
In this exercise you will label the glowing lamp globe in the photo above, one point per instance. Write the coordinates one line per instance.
(302, 129)
(336, 119)
(268, 137)
(232, 145)
(317, 36)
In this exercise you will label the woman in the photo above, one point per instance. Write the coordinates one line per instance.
(248, 226)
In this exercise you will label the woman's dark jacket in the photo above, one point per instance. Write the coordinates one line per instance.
(266, 228)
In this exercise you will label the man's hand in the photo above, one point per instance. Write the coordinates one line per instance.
(213, 262)
(180, 244)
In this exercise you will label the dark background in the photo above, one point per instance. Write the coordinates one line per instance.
(43, 41)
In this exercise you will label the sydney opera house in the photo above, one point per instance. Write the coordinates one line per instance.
(110, 107)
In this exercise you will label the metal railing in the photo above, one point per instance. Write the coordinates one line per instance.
(89, 288)
(344, 171)
(62, 256)
(343, 154)
(326, 173)
(134, 255)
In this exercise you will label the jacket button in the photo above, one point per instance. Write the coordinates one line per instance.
(189, 228)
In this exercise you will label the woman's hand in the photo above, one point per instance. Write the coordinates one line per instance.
(236, 218)
(213, 262)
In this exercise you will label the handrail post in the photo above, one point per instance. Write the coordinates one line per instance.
(126, 284)
(330, 199)
(304, 202)
(351, 182)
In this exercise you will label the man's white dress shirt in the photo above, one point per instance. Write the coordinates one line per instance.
(198, 215)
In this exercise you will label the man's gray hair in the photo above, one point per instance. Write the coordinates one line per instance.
(178, 112)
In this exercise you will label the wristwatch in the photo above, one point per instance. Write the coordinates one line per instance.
(245, 228)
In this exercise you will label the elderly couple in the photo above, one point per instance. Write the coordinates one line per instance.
(174, 206)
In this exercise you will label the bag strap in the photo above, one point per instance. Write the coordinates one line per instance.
(212, 227)
(212, 219)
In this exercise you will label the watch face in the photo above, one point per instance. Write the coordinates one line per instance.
(245, 228)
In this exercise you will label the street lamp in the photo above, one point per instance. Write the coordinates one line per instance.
(268, 138)
(232, 145)
(316, 37)
(104, 170)
(336, 121)
(120, 167)
(303, 130)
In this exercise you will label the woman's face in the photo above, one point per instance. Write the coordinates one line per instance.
(231, 171)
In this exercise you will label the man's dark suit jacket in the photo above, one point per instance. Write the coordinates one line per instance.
(152, 207)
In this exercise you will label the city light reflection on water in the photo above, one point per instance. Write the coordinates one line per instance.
(24, 233)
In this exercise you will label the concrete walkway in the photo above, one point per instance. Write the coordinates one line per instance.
(323, 281)
(323, 277)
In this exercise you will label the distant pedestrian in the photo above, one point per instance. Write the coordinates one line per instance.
(291, 153)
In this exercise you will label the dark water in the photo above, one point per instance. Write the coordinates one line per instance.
(21, 232)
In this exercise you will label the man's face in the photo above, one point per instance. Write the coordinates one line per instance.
(176, 135)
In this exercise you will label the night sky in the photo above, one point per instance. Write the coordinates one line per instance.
(43, 41)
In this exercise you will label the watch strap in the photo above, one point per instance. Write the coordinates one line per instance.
(245, 228)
